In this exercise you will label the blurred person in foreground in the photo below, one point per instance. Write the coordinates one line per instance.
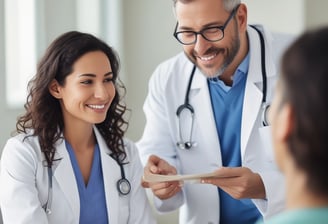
(299, 120)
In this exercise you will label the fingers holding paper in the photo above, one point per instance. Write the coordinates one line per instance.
(163, 190)
(238, 182)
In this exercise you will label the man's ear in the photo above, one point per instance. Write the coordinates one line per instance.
(242, 16)
(54, 89)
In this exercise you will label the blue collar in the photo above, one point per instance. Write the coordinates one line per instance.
(240, 72)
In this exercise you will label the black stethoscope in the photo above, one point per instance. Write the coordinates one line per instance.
(123, 186)
(186, 107)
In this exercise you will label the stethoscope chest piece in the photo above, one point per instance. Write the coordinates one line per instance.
(185, 111)
(123, 186)
(185, 145)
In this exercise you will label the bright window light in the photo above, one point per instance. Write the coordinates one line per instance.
(20, 49)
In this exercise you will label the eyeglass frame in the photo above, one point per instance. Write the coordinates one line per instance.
(201, 32)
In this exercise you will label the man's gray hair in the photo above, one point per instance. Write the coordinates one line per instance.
(229, 5)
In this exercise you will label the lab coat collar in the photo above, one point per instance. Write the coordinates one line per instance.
(64, 175)
(199, 80)
(254, 71)
(253, 89)
(111, 174)
(201, 101)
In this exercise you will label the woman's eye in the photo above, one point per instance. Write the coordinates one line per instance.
(109, 80)
(86, 82)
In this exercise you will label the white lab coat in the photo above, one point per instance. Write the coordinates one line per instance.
(24, 185)
(167, 89)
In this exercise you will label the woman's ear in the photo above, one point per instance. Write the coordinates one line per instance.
(54, 89)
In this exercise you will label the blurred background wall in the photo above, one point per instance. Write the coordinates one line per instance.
(141, 32)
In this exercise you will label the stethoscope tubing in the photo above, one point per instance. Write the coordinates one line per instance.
(186, 106)
(263, 66)
(47, 206)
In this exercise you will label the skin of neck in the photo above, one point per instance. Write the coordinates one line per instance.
(80, 138)
(227, 75)
(298, 194)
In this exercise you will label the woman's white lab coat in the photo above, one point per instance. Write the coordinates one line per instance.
(167, 90)
(24, 185)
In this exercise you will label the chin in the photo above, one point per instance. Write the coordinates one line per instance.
(98, 121)
(212, 73)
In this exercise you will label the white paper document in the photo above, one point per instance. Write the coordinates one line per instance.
(165, 178)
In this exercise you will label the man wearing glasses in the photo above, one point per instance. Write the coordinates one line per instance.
(205, 113)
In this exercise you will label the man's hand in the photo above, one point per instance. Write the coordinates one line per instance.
(162, 190)
(238, 182)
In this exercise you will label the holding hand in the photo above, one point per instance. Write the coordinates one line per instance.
(238, 182)
(163, 190)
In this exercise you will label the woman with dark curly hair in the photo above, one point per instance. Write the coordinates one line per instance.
(69, 162)
(300, 129)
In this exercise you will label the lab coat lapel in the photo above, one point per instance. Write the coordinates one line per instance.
(64, 175)
(252, 104)
(201, 101)
(111, 174)
(253, 89)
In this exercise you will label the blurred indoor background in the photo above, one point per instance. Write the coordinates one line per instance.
(141, 32)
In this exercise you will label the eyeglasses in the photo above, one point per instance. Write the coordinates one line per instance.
(213, 33)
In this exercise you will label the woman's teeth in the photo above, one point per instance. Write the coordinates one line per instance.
(96, 106)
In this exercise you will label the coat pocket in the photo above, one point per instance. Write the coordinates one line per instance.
(266, 139)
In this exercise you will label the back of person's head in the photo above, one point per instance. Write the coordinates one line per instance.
(304, 79)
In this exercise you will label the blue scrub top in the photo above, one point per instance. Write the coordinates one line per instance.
(227, 104)
(93, 207)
